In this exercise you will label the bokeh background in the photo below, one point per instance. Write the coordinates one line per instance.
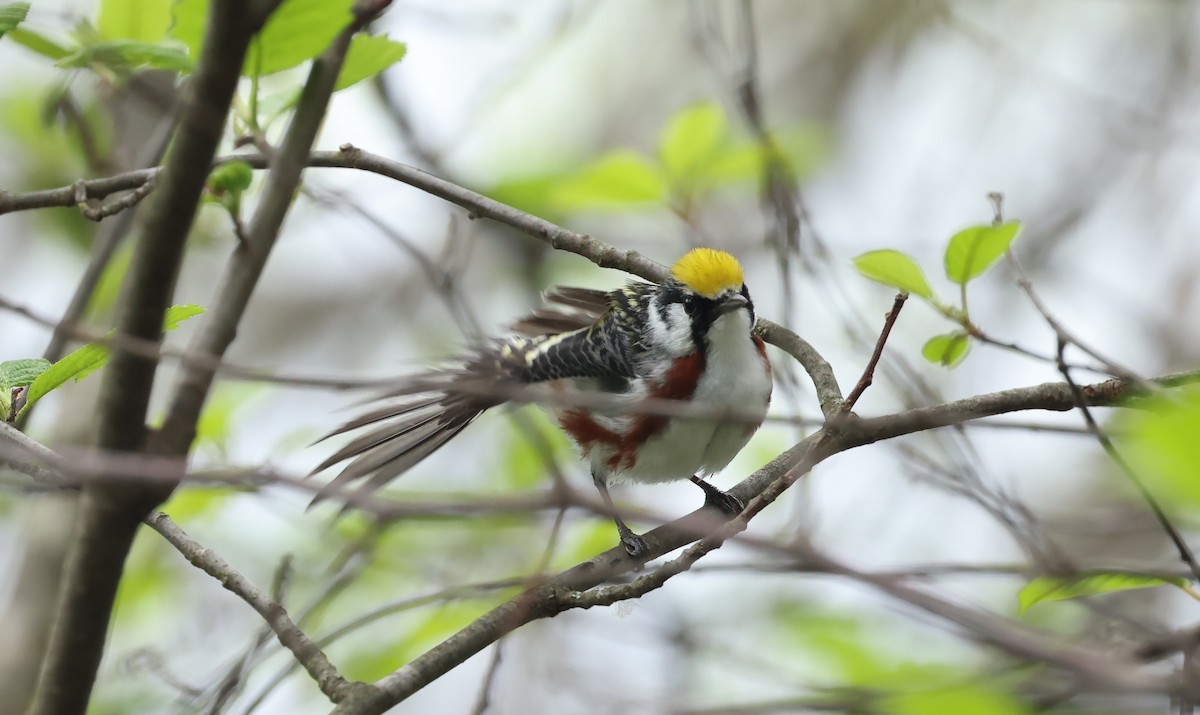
(896, 118)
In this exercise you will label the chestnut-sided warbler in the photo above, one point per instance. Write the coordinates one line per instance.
(688, 338)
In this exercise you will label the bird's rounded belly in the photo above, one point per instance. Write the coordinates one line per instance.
(737, 379)
(697, 446)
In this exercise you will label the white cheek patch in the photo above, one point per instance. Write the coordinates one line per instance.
(673, 335)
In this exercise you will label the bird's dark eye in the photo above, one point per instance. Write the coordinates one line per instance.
(689, 304)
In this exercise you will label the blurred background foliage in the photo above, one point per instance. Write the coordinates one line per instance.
(654, 126)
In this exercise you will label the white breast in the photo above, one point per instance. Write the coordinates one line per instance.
(736, 377)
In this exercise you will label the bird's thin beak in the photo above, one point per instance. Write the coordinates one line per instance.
(731, 303)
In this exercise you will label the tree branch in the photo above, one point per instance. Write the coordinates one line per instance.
(250, 256)
(295, 640)
(110, 513)
(566, 589)
(478, 206)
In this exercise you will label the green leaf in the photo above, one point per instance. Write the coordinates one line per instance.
(368, 56)
(527, 458)
(947, 350)
(616, 180)
(233, 177)
(38, 43)
(189, 504)
(124, 56)
(973, 250)
(216, 425)
(802, 147)
(530, 194)
(973, 698)
(806, 146)
(78, 364)
(895, 269)
(108, 288)
(142, 20)
(11, 15)
(19, 373)
(1047, 588)
(91, 357)
(739, 162)
(226, 184)
(298, 31)
(1162, 444)
(272, 105)
(176, 314)
(189, 20)
(691, 138)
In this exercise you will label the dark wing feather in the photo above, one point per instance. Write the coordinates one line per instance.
(595, 335)
(581, 333)
(585, 306)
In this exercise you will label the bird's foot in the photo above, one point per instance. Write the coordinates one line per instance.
(635, 546)
(724, 502)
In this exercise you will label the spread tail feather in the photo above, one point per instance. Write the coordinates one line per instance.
(416, 418)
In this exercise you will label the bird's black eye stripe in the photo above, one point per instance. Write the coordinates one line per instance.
(664, 312)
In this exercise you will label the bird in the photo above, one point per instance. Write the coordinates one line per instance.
(689, 337)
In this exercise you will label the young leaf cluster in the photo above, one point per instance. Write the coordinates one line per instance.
(969, 254)
(127, 36)
(25, 381)
(697, 153)
(226, 184)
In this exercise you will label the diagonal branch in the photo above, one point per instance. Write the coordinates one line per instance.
(250, 256)
(1160, 515)
(479, 206)
(307, 653)
(110, 512)
(868, 375)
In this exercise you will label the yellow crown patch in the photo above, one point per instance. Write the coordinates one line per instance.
(708, 271)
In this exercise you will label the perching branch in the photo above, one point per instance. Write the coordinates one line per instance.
(479, 206)
(572, 588)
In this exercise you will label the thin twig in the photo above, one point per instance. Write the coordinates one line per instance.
(479, 206)
(373, 616)
(249, 259)
(868, 374)
(235, 678)
(485, 689)
(111, 208)
(295, 640)
(1064, 338)
(1181, 545)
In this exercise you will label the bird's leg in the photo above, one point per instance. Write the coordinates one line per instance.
(634, 545)
(724, 502)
